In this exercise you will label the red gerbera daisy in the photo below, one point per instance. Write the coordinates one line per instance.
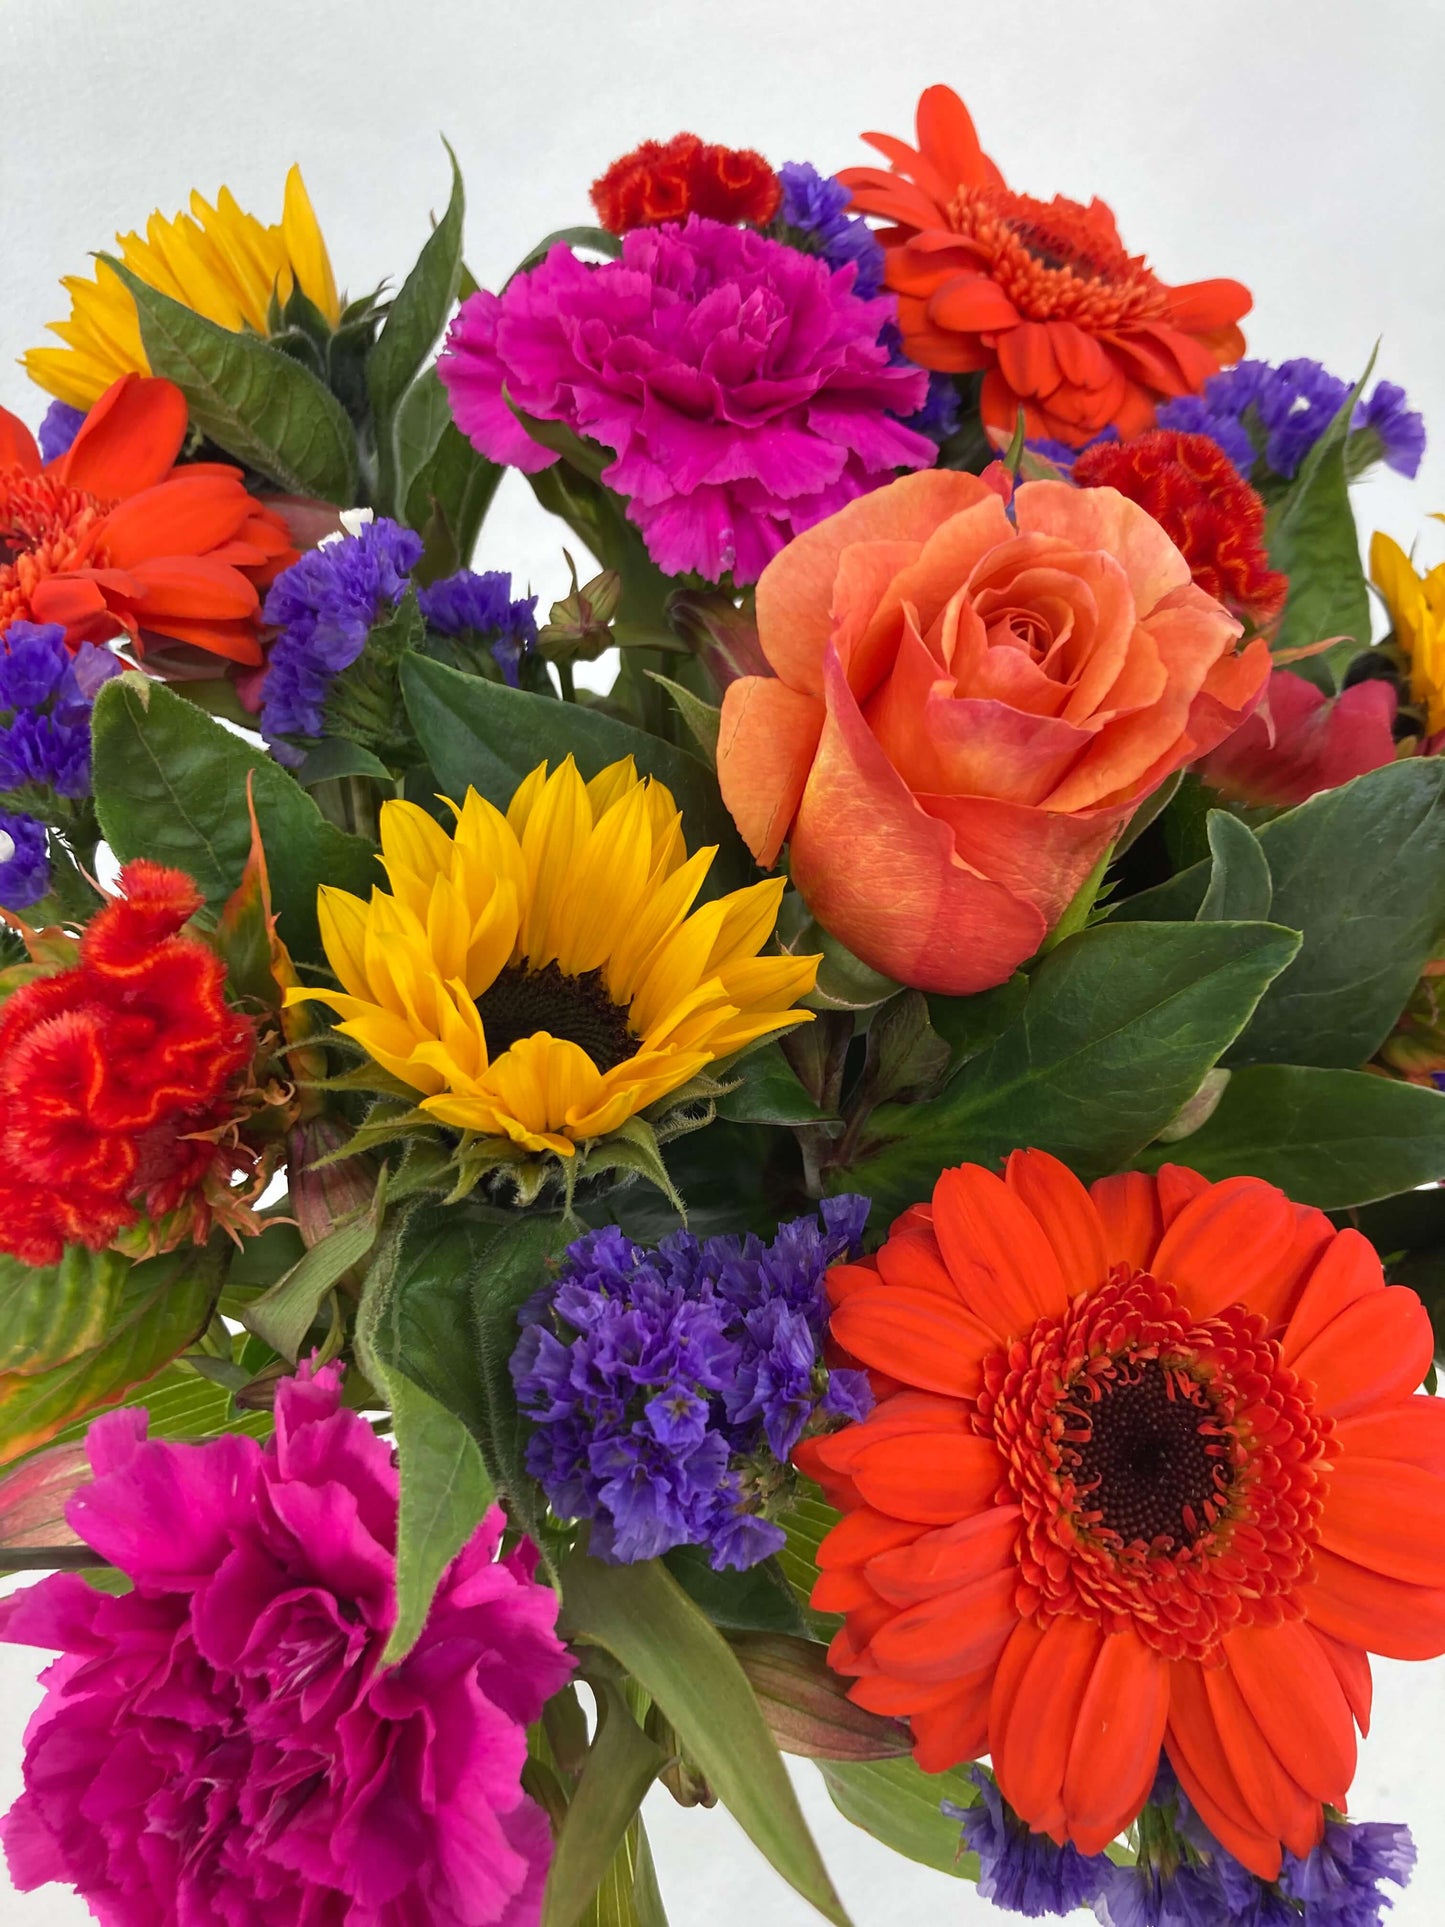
(1206, 508)
(113, 537)
(1145, 1470)
(1039, 295)
(119, 1077)
(667, 181)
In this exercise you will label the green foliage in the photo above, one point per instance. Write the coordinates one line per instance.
(50, 1313)
(758, 1600)
(1120, 1024)
(1328, 1137)
(807, 1524)
(1241, 889)
(1360, 872)
(170, 783)
(768, 1092)
(899, 1804)
(445, 1491)
(253, 400)
(642, 1617)
(285, 1313)
(620, 1766)
(489, 736)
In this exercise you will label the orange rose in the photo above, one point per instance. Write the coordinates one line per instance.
(969, 701)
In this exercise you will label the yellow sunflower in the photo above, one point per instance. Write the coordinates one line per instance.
(1417, 614)
(219, 261)
(542, 976)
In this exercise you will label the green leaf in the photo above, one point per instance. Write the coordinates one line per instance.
(422, 415)
(171, 784)
(284, 1314)
(447, 502)
(899, 1804)
(597, 239)
(629, 1895)
(414, 321)
(968, 1025)
(1240, 886)
(1360, 872)
(164, 1304)
(1327, 1137)
(251, 399)
(336, 757)
(769, 1093)
(621, 1765)
(1313, 539)
(807, 1523)
(49, 1313)
(1121, 1023)
(643, 1618)
(758, 1600)
(704, 720)
(489, 736)
(445, 1491)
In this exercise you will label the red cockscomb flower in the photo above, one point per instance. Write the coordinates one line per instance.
(118, 1078)
(1206, 508)
(112, 536)
(1039, 295)
(1145, 1470)
(667, 181)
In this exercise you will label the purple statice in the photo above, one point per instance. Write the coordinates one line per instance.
(666, 1387)
(815, 209)
(941, 412)
(1189, 1894)
(45, 702)
(1023, 1871)
(24, 866)
(1338, 1883)
(482, 606)
(325, 606)
(1192, 415)
(59, 429)
(1398, 428)
(1256, 410)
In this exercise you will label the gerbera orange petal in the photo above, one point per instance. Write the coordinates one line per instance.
(954, 1730)
(1047, 1707)
(1117, 1732)
(192, 586)
(128, 441)
(1178, 1187)
(1367, 1609)
(1376, 1351)
(1279, 1804)
(1027, 361)
(933, 1478)
(1197, 1755)
(185, 515)
(1013, 1665)
(862, 1535)
(1066, 1213)
(1294, 1694)
(1352, 1670)
(1388, 1517)
(956, 1555)
(1228, 1239)
(995, 1248)
(236, 641)
(915, 1336)
(948, 137)
(1203, 306)
(17, 445)
(1412, 1432)
(971, 304)
(1347, 1270)
(947, 1638)
(1128, 1208)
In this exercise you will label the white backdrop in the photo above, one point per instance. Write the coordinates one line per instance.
(1296, 147)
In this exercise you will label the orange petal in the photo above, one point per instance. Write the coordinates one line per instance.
(955, 1730)
(1280, 1806)
(946, 1638)
(192, 586)
(947, 135)
(862, 1535)
(236, 641)
(1178, 1187)
(1013, 1664)
(916, 1337)
(1233, 1238)
(956, 1555)
(996, 1249)
(128, 441)
(1128, 1208)
(972, 303)
(1202, 307)
(1369, 1610)
(1412, 1432)
(1197, 1755)
(1376, 1351)
(1041, 855)
(766, 742)
(1348, 1269)
(1388, 1517)
(1044, 1717)
(185, 515)
(1026, 358)
(1352, 1669)
(1066, 1212)
(933, 1478)
(1117, 1734)
(17, 445)
(1294, 1694)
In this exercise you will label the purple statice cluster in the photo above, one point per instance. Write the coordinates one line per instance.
(46, 696)
(1256, 409)
(326, 605)
(667, 1387)
(58, 430)
(1182, 1876)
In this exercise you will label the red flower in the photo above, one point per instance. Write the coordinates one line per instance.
(1300, 741)
(1202, 503)
(113, 536)
(118, 1078)
(1147, 1469)
(657, 183)
(1039, 295)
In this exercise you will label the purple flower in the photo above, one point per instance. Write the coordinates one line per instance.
(666, 1388)
(1339, 1883)
(59, 429)
(1023, 1871)
(1188, 1895)
(1193, 415)
(1255, 409)
(1398, 429)
(45, 702)
(815, 206)
(741, 385)
(24, 866)
(482, 605)
(224, 1744)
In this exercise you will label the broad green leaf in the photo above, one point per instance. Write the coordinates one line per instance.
(284, 1314)
(643, 1618)
(1327, 1137)
(1120, 1024)
(49, 1313)
(180, 1404)
(489, 736)
(251, 399)
(336, 757)
(768, 1093)
(171, 784)
(445, 1492)
(1412, 1221)
(807, 1523)
(968, 1025)
(1240, 887)
(422, 414)
(758, 1600)
(621, 1765)
(900, 1804)
(596, 239)
(1313, 539)
(444, 485)
(1360, 872)
(414, 321)
(163, 1305)
(704, 720)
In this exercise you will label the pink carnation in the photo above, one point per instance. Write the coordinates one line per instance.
(740, 383)
(1300, 741)
(222, 1747)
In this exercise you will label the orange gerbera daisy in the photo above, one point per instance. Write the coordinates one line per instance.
(112, 537)
(1038, 295)
(1145, 1470)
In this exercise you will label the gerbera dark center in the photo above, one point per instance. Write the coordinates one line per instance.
(1153, 1460)
(522, 1002)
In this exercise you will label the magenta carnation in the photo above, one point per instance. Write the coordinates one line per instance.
(222, 1747)
(740, 383)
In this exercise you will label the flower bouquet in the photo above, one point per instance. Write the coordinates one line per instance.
(832, 1151)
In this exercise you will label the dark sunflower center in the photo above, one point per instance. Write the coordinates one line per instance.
(522, 1002)
(1154, 1463)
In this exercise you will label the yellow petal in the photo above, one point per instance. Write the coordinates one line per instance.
(310, 262)
(344, 919)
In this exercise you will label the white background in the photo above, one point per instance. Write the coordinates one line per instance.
(1297, 147)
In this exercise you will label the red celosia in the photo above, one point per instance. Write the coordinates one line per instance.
(660, 182)
(1202, 503)
(118, 1078)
